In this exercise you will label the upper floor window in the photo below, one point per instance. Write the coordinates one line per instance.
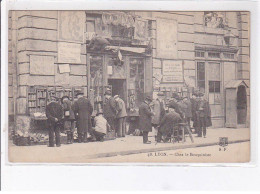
(229, 55)
(214, 55)
(199, 54)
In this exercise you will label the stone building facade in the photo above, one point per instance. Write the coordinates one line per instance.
(175, 51)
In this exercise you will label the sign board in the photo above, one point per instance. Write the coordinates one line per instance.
(64, 68)
(41, 65)
(172, 71)
(166, 39)
(71, 25)
(141, 29)
(69, 52)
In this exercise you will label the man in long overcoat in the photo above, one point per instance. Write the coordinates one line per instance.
(110, 109)
(54, 113)
(145, 119)
(188, 112)
(83, 111)
(159, 111)
(203, 115)
(120, 116)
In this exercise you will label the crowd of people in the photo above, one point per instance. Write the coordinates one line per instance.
(164, 117)
(167, 118)
(63, 113)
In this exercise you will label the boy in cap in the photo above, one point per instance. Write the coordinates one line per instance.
(101, 127)
(69, 118)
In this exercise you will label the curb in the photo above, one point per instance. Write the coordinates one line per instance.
(129, 152)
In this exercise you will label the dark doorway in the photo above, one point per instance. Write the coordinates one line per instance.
(241, 105)
(118, 87)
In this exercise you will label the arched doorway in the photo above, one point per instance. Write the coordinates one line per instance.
(241, 105)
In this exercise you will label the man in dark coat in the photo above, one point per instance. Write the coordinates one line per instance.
(54, 113)
(188, 112)
(69, 118)
(145, 118)
(203, 115)
(83, 111)
(168, 123)
(110, 109)
(194, 101)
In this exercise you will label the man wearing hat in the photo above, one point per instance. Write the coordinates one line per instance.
(159, 111)
(69, 118)
(101, 127)
(203, 115)
(120, 116)
(83, 110)
(110, 109)
(145, 119)
(168, 124)
(54, 113)
(194, 102)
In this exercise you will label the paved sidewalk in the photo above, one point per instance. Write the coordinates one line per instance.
(85, 152)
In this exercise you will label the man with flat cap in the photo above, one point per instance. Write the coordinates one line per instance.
(54, 113)
(110, 109)
(145, 119)
(83, 110)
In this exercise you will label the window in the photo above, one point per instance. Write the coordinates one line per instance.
(214, 86)
(229, 55)
(201, 75)
(199, 54)
(214, 77)
(213, 55)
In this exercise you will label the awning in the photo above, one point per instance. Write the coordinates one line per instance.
(235, 83)
(128, 49)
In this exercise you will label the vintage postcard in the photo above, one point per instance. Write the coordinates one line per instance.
(128, 86)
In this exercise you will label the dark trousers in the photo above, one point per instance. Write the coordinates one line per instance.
(202, 126)
(121, 127)
(54, 129)
(111, 122)
(145, 136)
(98, 135)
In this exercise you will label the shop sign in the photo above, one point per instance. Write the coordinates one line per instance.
(71, 25)
(41, 65)
(118, 19)
(167, 39)
(69, 52)
(172, 71)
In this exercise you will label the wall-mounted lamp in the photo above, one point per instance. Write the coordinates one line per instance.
(229, 37)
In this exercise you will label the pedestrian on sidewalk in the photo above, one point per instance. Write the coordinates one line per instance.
(120, 116)
(168, 124)
(100, 127)
(188, 112)
(145, 119)
(159, 111)
(203, 115)
(110, 109)
(69, 118)
(83, 111)
(194, 103)
(54, 113)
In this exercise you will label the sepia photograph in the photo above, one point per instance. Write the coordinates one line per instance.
(126, 86)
